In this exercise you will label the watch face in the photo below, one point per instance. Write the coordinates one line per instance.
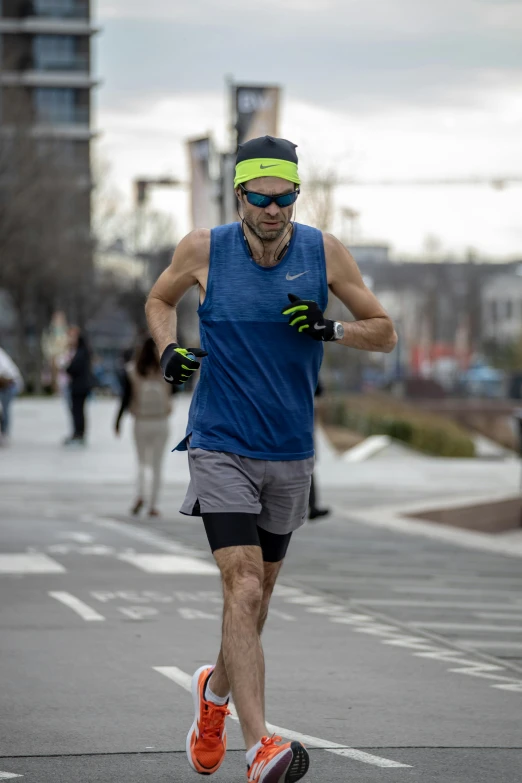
(339, 331)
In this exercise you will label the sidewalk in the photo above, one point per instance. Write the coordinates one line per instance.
(41, 424)
(395, 656)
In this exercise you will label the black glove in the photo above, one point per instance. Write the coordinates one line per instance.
(178, 364)
(307, 317)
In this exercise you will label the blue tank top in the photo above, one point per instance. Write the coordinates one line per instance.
(255, 395)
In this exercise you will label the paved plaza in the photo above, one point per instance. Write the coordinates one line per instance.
(394, 654)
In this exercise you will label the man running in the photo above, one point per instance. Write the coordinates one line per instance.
(263, 286)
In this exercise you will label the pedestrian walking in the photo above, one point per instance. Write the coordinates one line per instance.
(314, 511)
(80, 384)
(263, 285)
(11, 384)
(148, 398)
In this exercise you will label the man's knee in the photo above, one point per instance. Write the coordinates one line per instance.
(242, 576)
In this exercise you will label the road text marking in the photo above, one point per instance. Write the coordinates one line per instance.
(184, 680)
(84, 610)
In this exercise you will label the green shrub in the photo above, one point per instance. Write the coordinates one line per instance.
(381, 415)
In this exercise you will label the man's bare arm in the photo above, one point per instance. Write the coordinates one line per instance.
(189, 267)
(373, 329)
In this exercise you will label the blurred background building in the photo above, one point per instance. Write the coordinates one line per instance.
(46, 83)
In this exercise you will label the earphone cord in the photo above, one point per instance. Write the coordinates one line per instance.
(276, 256)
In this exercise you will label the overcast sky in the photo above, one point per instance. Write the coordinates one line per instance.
(396, 88)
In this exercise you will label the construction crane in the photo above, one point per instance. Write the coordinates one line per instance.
(496, 182)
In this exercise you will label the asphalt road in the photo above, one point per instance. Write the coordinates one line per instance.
(102, 622)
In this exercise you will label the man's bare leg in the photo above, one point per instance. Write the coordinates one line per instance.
(240, 668)
(219, 682)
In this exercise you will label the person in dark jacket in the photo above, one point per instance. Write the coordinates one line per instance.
(80, 384)
(314, 512)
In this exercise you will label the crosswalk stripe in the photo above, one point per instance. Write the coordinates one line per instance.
(9, 775)
(184, 680)
(29, 563)
(85, 611)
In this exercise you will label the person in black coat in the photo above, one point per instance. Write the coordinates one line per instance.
(314, 512)
(80, 384)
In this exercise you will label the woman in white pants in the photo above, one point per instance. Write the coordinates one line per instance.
(148, 398)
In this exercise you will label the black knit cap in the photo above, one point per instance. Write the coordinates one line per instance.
(267, 147)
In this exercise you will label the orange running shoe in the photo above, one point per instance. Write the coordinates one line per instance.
(207, 738)
(278, 763)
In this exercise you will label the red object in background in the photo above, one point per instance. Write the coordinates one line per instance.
(419, 354)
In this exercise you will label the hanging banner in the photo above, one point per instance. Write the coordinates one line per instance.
(228, 196)
(203, 202)
(257, 111)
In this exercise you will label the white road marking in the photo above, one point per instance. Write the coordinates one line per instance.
(196, 614)
(493, 644)
(499, 615)
(170, 564)
(76, 549)
(281, 615)
(81, 538)
(433, 590)
(86, 612)
(149, 537)
(427, 604)
(36, 563)
(419, 646)
(480, 628)
(184, 680)
(139, 612)
(9, 775)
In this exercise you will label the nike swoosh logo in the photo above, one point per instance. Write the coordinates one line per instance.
(319, 327)
(169, 378)
(293, 277)
(270, 166)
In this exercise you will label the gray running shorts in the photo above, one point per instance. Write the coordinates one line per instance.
(227, 483)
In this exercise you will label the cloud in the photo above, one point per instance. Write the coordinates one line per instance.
(353, 54)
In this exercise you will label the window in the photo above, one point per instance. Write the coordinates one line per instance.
(59, 8)
(509, 309)
(54, 52)
(54, 104)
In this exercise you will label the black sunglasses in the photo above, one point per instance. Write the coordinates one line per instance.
(260, 200)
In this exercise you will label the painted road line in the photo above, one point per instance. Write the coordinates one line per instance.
(499, 615)
(9, 775)
(148, 537)
(492, 644)
(86, 612)
(80, 538)
(29, 563)
(427, 604)
(478, 627)
(432, 590)
(282, 615)
(170, 564)
(184, 680)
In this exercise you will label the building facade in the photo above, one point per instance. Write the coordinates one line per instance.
(46, 83)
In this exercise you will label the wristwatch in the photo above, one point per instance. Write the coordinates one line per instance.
(338, 331)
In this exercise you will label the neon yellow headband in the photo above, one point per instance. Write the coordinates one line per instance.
(266, 167)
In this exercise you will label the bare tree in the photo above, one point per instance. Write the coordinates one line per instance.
(44, 256)
(317, 201)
